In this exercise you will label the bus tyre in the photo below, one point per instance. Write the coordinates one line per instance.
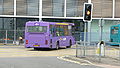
(57, 45)
(36, 48)
(70, 44)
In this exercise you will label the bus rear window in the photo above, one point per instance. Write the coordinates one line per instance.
(37, 28)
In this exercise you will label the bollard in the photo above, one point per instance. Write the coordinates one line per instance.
(100, 50)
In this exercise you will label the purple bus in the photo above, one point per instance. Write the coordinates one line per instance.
(48, 35)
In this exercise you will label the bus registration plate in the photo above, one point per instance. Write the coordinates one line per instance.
(36, 45)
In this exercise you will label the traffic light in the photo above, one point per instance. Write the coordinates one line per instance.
(87, 12)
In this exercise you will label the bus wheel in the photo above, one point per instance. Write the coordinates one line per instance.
(70, 44)
(36, 48)
(57, 45)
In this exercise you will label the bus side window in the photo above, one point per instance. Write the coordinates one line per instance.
(52, 30)
(112, 31)
(56, 30)
(69, 30)
(57, 33)
(61, 30)
(65, 30)
(115, 30)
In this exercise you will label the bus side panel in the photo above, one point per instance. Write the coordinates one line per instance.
(70, 38)
(66, 40)
(54, 41)
(63, 41)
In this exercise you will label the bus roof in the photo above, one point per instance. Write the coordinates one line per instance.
(53, 23)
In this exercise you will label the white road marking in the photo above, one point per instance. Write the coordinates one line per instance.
(88, 62)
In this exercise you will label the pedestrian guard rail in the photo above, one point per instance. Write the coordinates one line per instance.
(10, 36)
(98, 52)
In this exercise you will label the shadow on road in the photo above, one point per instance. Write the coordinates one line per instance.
(45, 49)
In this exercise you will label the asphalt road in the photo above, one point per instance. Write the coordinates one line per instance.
(39, 62)
(21, 51)
(20, 57)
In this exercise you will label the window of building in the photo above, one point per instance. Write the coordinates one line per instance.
(75, 8)
(28, 7)
(117, 8)
(102, 8)
(6, 7)
(53, 8)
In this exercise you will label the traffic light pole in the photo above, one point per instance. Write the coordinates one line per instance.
(85, 36)
(87, 17)
(101, 29)
(101, 23)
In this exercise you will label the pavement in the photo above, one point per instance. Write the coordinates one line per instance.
(105, 62)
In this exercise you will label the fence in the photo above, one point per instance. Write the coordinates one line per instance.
(78, 35)
(92, 51)
(112, 51)
(10, 36)
(91, 36)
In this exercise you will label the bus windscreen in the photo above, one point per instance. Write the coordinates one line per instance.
(37, 28)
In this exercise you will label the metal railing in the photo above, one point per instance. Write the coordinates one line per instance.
(96, 52)
(10, 36)
(112, 50)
